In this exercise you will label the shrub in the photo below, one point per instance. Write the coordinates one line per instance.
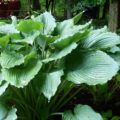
(43, 60)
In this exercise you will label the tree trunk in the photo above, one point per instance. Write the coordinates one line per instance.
(52, 6)
(47, 5)
(68, 9)
(113, 15)
(36, 5)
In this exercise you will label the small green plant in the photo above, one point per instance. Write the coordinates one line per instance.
(43, 60)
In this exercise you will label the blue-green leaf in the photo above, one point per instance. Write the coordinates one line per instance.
(3, 86)
(70, 33)
(92, 68)
(6, 113)
(60, 54)
(100, 39)
(48, 21)
(51, 82)
(82, 112)
(11, 59)
(20, 76)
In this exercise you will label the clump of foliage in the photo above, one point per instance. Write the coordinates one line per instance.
(83, 5)
(43, 60)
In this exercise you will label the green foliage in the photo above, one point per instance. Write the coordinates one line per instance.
(82, 4)
(93, 2)
(27, 26)
(51, 83)
(7, 113)
(109, 115)
(101, 39)
(94, 69)
(43, 60)
(11, 59)
(3, 86)
(48, 21)
(82, 112)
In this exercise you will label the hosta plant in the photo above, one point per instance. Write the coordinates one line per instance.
(42, 60)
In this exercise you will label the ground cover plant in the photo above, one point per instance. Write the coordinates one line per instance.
(42, 61)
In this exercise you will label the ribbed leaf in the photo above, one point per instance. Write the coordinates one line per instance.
(29, 26)
(49, 22)
(82, 112)
(64, 28)
(51, 83)
(67, 27)
(7, 114)
(64, 41)
(61, 53)
(70, 33)
(101, 39)
(20, 76)
(10, 59)
(92, 68)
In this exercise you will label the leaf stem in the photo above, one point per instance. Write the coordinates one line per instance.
(69, 98)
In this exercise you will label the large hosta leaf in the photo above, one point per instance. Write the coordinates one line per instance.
(29, 26)
(61, 53)
(82, 112)
(51, 83)
(10, 59)
(64, 41)
(20, 76)
(63, 28)
(67, 27)
(92, 68)
(49, 22)
(70, 33)
(101, 38)
(6, 113)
